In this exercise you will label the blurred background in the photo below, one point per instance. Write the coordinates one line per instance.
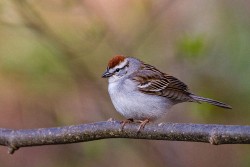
(53, 53)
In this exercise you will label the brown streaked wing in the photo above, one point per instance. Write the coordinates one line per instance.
(152, 81)
(175, 83)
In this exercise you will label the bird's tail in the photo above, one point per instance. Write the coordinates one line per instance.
(210, 101)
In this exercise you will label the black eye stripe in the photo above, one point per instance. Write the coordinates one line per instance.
(118, 69)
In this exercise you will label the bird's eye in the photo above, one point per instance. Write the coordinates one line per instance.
(117, 70)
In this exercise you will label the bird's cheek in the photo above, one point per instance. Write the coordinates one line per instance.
(113, 78)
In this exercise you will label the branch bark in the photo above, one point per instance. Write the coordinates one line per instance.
(207, 133)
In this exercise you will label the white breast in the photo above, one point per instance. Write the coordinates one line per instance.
(132, 103)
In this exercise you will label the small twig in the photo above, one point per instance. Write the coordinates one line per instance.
(213, 134)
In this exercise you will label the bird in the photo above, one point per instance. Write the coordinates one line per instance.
(140, 92)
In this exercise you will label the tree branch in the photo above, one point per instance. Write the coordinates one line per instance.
(207, 133)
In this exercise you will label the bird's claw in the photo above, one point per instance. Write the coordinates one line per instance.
(142, 125)
(126, 122)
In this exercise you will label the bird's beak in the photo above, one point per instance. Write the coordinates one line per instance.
(106, 74)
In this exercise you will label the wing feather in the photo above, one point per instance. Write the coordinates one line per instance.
(152, 81)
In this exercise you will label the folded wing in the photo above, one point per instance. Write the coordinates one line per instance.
(152, 81)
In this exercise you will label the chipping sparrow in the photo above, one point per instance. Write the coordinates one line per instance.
(141, 92)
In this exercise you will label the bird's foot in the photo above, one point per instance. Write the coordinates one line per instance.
(142, 125)
(126, 122)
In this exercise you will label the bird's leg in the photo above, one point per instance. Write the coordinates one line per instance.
(142, 125)
(126, 122)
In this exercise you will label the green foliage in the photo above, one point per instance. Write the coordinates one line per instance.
(35, 67)
(191, 46)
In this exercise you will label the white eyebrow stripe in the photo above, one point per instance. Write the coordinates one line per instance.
(122, 64)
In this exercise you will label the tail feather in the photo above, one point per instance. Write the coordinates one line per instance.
(210, 101)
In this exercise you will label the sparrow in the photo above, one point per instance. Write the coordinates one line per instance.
(141, 92)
